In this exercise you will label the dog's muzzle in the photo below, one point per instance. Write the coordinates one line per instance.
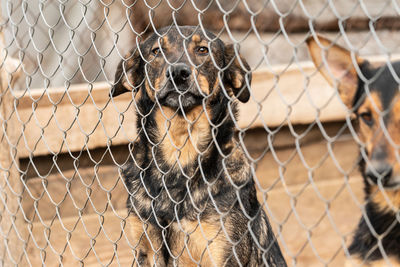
(380, 172)
(180, 90)
(179, 74)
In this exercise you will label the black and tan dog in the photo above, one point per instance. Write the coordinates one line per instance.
(192, 196)
(374, 97)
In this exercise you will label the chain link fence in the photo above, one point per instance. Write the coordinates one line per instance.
(63, 140)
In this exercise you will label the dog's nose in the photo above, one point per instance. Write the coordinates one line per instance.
(379, 171)
(179, 72)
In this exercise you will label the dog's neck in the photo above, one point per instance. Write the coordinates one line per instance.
(182, 137)
(381, 199)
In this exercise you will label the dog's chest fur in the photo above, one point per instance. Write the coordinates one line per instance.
(181, 175)
(161, 197)
(180, 139)
(382, 222)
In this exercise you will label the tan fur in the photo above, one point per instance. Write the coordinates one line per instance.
(203, 83)
(371, 136)
(127, 84)
(140, 242)
(394, 132)
(238, 158)
(355, 262)
(191, 50)
(394, 128)
(196, 38)
(215, 90)
(238, 80)
(387, 200)
(157, 84)
(197, 41)
(375, 137)
(180, 138)
(138, 95)
(165, 42)
(199, 244)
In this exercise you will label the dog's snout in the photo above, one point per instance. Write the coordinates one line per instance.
(179, 72)
(379, 171)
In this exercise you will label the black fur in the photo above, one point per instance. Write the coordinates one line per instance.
(385, 225)
(376, 225)
(372, 93)
(216, 186)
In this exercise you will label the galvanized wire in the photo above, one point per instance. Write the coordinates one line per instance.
(59, 44)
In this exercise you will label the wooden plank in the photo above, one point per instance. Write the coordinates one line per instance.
(83, 117)
(13, 230)
(296, 95)
(90, 240)
(71, 193)
(77, 118)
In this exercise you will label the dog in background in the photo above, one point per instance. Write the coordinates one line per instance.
(374, 97)
(192, 199)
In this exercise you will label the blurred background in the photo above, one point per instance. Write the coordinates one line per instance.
(74, 42)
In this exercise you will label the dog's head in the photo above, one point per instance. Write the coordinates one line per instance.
(373, 95)
(180, 67)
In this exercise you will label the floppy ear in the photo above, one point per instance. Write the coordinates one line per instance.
(129, 73)
(336, 65)
(235, 74)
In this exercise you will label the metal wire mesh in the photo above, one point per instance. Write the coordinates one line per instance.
(64, 141)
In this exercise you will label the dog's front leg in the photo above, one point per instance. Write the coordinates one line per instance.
(198, 244)
(147, 244)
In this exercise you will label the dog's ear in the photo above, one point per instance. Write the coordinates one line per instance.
(236, 74)
(336, 65)
(129, 74)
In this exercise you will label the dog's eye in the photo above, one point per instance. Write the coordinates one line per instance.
(202, 50)
(156, 51)
(367, 118)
